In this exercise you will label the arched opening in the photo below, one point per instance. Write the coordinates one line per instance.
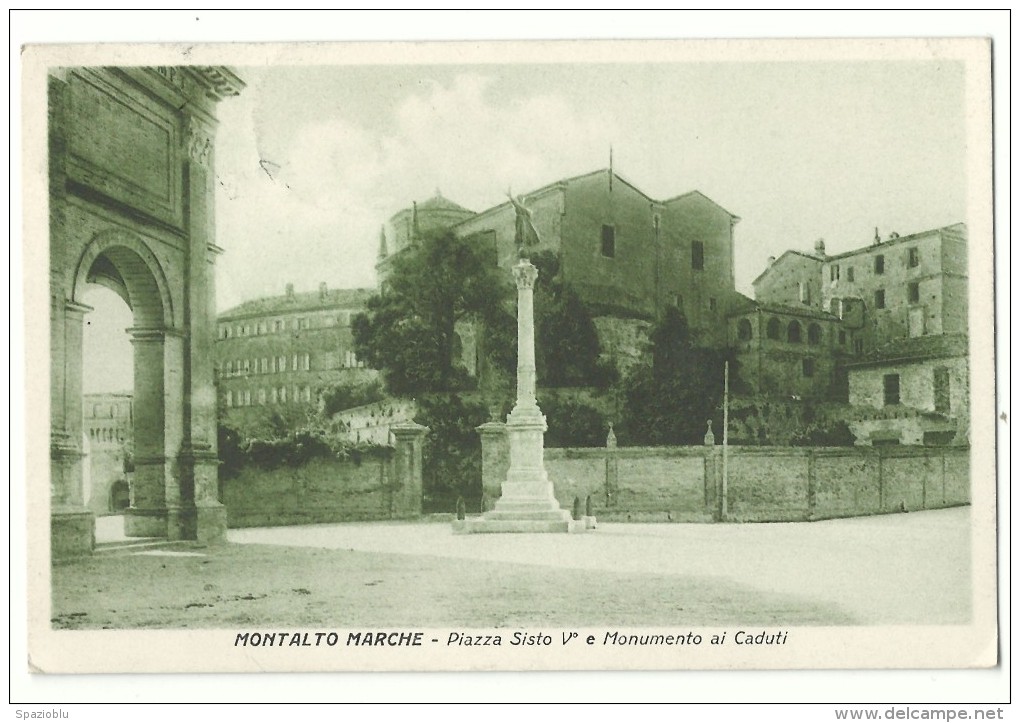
(793, 332)
(814, 334)
(125, 355)
(744, 330)
(107, 392)
(772, 328)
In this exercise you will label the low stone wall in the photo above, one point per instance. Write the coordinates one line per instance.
(327, 490)
(763, 484)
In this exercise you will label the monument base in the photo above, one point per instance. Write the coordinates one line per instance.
(523, 516)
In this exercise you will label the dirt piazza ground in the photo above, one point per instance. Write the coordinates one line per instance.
(891, 569)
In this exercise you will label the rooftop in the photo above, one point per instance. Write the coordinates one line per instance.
(303, 301)
(745, 304)
(918, 348)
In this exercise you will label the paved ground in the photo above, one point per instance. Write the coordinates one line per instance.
(888, 569)
(893, 569)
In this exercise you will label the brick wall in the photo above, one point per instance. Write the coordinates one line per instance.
(326, 490)
(764, 484)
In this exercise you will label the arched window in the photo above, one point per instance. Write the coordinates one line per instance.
(793, 332)
(772, 329)
(744, 330)
(814, 334)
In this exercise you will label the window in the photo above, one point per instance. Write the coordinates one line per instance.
(891, 389)
(307, 362)
(264, 365)
(804, 291)
(834, 272)
(294, 363)
(277, 325)
(608, 241)
(913, 292)
(306, 394)
(793, 332)
(858, 346)
(229, 369)
(262, 396)
(283, 395)
(281, 364)
(814, 334)
(712, 305)
(842, 337)
(247, 366)
(247, 397)
(880, 264)
(940, 387)
(744, 330)
(772, 328)
(913, 258)
(230, 399)
(302, 323)
(808, 367)
(697, 255)
(850, 273)
(273, 395)
(880, 299)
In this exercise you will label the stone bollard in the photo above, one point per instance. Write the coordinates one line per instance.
(709, 436)
(577, 508)
(461, 509)
(589, 516)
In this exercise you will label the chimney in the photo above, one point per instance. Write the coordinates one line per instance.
(322, 291)
(772, 260)
(820, 248)
(878, 239)
(290, 291)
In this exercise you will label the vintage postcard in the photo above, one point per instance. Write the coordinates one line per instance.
(510, 356)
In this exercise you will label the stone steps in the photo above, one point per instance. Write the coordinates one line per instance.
(131, 544)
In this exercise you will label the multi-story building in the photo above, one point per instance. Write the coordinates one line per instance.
(108, 424)
(894, 324)
(787, 349)
(278, 352)
(626, 254)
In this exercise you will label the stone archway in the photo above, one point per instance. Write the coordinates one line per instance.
(122, 261)
(131, 208)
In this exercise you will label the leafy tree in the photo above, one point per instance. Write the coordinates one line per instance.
(409, 332)
(347, 395)
(668, 400)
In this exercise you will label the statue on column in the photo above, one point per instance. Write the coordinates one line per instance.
(525, 236)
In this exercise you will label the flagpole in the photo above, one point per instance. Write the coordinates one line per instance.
(725, 436)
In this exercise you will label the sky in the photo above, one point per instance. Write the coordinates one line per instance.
(311, 161)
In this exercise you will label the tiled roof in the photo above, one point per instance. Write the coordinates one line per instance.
(935, 346)
(305, 301)
(745, 304)
(438, 203)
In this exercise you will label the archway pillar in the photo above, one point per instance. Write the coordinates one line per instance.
(203, 517)
(72, 526)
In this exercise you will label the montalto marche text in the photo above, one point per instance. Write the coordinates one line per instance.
(516, 638)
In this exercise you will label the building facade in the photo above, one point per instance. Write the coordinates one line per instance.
(627, 255)
(912, 391)
(108, 443)
(793, 351)
(277, 353)
(893, 328)
(131, 207)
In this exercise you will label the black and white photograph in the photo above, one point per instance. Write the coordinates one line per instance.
(606, 355)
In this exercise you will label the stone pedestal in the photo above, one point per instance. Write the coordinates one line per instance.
(526, 502)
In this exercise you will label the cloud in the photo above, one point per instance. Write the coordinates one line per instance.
(311, 210)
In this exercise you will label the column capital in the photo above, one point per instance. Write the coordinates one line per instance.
(76, 307)
(145, 334)
(525, 274)
(200, 140)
